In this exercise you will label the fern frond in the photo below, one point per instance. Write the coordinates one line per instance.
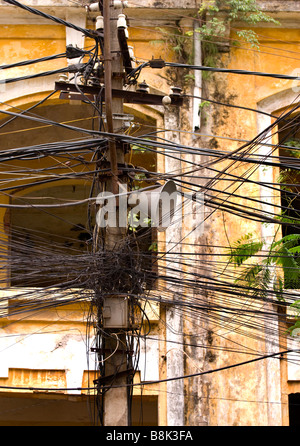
(278, 288)
(249, 276)
(288, 240)
(295, 250)
(290, 268)
(243, 249)
(257, 279)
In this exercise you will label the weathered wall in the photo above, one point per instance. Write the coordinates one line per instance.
(240, 396)
(235, 397)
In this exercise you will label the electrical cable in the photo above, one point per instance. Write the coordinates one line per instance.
(192, 375)
(32, 61)
(86, 32)
(237, 309)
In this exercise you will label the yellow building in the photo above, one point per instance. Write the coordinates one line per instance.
(50, 269)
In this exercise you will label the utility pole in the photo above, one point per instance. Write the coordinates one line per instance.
(114, 309)
(115, 404)
(112, 67)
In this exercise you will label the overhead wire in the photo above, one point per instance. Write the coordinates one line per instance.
(223, 313)
(86, 32)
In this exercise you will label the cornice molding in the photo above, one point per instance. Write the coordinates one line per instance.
(157, 12)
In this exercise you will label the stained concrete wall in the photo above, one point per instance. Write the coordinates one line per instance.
(246, 395)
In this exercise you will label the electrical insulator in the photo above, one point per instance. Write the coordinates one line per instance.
(120, 4)
(143, 87)
(94, 7)
(121, 23)
(99, 23)
(98, 70)
(175, 91)
(93, 82)
(131, 53)
(63, 78)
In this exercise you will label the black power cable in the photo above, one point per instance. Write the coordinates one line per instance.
(232, 71)
(86, 32)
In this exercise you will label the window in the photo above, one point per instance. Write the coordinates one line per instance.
(294, 409)
(289, 135)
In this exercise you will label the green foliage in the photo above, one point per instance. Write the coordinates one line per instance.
(189, 77)
(214, 27)
(294, 142)
(248, 35)
(282, 253)
(139, 148)
(248, 11)
(284, 219)
(202, 109)
(133, 221)
(204, 104)
(296, 325)
(179, 41)
(296, 307)
(243, 249)
(261, 276)
(153, 247)
(139, 176)
(287, 241)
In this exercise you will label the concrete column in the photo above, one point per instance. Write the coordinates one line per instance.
(174, 324)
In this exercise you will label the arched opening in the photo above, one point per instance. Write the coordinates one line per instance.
(40, 234)
(289, 136)
(35, 181)
(37, 233)
(285, 178)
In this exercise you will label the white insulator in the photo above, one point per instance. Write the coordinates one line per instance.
(122, 23)
(63, 78)
(99, 22)
(131, 52)
(118, 4)
(94, 7)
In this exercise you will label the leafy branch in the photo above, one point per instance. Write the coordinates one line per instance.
(261, 276)
(217, 16)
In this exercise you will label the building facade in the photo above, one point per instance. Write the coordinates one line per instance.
(47, 339)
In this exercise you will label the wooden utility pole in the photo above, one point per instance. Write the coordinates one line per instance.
(116, 412)
(115, 319)
(110, 44)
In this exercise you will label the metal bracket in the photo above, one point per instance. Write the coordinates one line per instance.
(132, 97)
